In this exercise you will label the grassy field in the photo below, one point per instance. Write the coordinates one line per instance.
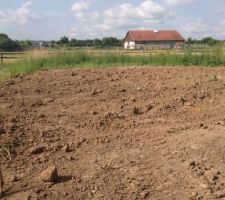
(45, 60)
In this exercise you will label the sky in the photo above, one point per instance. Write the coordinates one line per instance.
(83, 19)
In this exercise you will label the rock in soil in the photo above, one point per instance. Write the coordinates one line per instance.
(14, 178)
(36, 150)
(66, 149)
(49, 175)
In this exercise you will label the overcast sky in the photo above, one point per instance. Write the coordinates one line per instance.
(81, 19)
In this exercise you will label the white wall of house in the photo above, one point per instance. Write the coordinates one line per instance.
(129, 45)
(153, 45)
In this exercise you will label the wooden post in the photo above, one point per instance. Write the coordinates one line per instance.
(1, 56)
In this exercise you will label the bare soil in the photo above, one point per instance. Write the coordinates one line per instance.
(113, 134)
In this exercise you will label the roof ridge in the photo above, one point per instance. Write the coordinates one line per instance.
(153, 30)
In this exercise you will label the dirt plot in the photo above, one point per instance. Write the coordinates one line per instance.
(129, 133)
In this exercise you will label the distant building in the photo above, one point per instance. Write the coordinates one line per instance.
(153, 39)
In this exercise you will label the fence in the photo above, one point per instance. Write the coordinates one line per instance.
(11, 55)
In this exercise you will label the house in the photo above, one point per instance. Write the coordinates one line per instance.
(153, 39)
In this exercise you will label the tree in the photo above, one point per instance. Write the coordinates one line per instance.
(52, 43)
(97, 42)
(73, 43)
(209, 40)
(111, 41)
(7, 44)
(24, 44)
(190, 41)
(64, 40)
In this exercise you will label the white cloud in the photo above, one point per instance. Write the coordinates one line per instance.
(129, 15)
(202, 28)
(196, 26)
(178, 2)
(220, 29)
(80, 6)
(81, 10)
(73, 32)
(19, 16)
(146, 10)
(223, 23)
(220, 11)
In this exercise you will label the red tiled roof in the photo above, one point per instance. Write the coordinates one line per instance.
(149, 35)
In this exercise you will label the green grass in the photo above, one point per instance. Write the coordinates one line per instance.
(215, 57)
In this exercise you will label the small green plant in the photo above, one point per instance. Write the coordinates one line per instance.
(5, 153)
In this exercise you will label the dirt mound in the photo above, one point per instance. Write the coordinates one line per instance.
(130, 133)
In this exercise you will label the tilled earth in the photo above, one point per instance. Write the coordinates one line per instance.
(113, 134)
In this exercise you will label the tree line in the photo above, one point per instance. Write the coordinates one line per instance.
(7, 44)
(206, 40)
(97, 43)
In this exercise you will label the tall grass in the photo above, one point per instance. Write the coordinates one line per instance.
(215, 57)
